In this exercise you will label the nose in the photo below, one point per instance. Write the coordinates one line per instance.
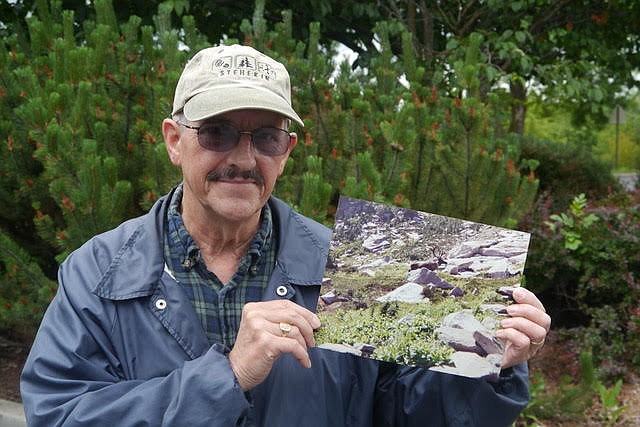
(243, 155)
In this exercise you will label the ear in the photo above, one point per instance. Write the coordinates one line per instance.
(171, 135)
(294, 140)
(283, 162)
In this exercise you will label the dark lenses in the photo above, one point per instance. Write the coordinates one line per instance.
(268, 141)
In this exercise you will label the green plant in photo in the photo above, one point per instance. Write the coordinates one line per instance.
(411, 341)
(400, 332)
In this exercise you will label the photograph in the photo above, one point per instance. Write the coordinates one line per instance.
(418, 289)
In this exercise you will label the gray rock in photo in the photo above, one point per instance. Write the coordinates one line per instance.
(409, 292)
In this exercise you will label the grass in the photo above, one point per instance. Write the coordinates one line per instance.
(400, 332)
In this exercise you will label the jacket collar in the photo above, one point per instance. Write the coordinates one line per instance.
(303, 245)
(139, 263)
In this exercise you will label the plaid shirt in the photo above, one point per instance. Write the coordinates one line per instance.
(219, 306)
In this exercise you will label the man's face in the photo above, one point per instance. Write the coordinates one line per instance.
(230, 186)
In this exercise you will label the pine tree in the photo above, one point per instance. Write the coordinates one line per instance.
(418, 146)
(81, 113)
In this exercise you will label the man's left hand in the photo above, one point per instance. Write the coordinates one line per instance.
(525, 330)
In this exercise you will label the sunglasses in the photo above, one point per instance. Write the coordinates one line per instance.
(221, 137)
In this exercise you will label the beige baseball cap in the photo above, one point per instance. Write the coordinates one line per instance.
(227, 78)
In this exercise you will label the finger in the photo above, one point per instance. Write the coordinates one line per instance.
(286, 311)
(519, 341)
(309, 317)
(518, 347)
(300, 328)
(531, 330)
(300, 352)
(275, 310)
(258, 320)
(525, 296)
(531, 313)
(280, 331)
(295, 348)
(252, 357)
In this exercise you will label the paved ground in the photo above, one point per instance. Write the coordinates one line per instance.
(630, 181)
(11, 414)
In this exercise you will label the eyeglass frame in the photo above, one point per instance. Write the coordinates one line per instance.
(240, 133)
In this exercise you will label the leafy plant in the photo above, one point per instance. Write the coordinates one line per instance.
(584, 263)
(609, 398)
(570, 225)
(568, 402)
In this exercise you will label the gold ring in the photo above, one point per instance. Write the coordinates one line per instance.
(285, 328)
(537, 342)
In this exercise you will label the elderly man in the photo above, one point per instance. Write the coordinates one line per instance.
(201, 311)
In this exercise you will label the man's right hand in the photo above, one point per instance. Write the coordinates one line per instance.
(261, 341)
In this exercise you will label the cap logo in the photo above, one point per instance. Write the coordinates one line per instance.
(224, 62)
(243, 66)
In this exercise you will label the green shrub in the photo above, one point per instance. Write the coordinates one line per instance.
(80, 109)
(571, 399)
(568, 169)
(585, 264)
(25, 291)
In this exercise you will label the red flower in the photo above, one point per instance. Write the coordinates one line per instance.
(434, 94)
(68, 204)
(600, 19)
(416, 100)
(150, 138)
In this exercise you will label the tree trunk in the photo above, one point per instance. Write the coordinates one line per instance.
(518, 107)
(427, 31)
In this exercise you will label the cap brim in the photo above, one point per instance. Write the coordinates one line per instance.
(222, 100)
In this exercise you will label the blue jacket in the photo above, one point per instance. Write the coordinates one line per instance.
(120, 344)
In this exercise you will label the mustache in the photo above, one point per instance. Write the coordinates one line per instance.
(233, 172)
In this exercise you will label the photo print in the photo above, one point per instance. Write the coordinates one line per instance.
(418, 289)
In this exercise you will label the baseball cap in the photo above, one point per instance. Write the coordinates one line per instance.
(226, 78)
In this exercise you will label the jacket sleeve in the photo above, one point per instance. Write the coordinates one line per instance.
(72, 377)
(417, 397)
